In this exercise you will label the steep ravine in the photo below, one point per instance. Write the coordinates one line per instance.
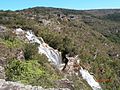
(54, 56)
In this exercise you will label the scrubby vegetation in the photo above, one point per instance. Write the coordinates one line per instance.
(31, 72)
(34, 70)
(95, 37)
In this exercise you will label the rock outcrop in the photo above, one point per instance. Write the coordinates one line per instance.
(2, 73)
(73, 66)
(20, 55)
(8, 85)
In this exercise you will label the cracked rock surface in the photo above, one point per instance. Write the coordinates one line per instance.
(8, 85)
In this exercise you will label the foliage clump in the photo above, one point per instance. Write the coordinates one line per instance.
(34, 70)
(31, 72)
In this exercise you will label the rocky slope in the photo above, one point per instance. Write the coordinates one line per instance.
(92, 35)
(7, 85)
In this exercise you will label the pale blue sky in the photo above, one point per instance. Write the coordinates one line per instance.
(71, 4)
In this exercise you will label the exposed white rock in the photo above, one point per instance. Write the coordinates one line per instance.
(54, 56)
(90, 79)
(19, 31)
(2, 28)
(72, 65)
(46, 22)
(8, 85)
(20, 55)
(2, 73)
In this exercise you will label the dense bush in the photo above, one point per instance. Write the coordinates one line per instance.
(63, 43)
(113, 17)
(10, 40)
(114, 38)
(34, 72)
(23, 71)
(30, 51)
(7, 35)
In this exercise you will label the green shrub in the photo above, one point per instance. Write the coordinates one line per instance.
(60, 42)
(30, 51)
(35, 72)
(114, 38)
(25, 72)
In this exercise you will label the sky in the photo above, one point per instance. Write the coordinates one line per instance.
(69, 4)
